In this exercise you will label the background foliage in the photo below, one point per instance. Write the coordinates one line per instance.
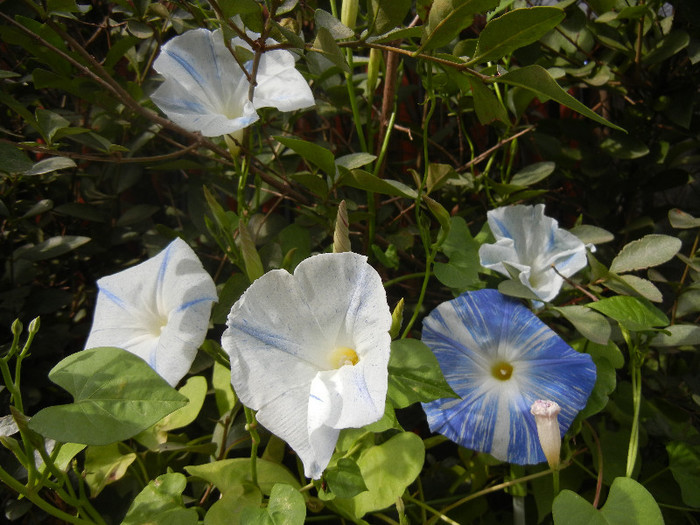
(428, 114)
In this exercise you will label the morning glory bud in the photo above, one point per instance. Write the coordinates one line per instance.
(546, 413)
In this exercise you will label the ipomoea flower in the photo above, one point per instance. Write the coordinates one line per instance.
(158, 310)
(206, 90)
(528, 246)
(310, 351)
(499, 357)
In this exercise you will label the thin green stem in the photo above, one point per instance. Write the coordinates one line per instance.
(555, 482)
(252, 428)
(37, 500)
(430, 251)
(436, 513)
(494, 488)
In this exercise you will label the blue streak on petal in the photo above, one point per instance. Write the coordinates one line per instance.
(315, 398)
(189, 68)
(505, 232)
(268, 338)
(116, 300)
(188, 304)
(164, 265)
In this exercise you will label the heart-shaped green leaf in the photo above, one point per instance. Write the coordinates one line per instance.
(116, 396)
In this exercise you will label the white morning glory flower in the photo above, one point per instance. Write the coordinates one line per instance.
(158, 310)
(528, 245)
(500, 358)
(206, 90)
(310, 351)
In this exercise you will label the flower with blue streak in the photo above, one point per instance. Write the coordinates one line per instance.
(310, 350)
(500, 358)
(529, 245)
(158, 310)
(206, 90)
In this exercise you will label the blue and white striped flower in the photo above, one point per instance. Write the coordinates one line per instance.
(310, 352)
(158, 310)
(500, 358)
(206, 90)
(529, 245)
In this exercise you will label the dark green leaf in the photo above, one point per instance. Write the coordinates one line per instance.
(312, 153)
(325, 45)
(366, 181)
(12, 159)
(536, 79)
(345, 479)
(50, 248)
(591, 324)
(515, 29)
(448, 17)
(49, 165)
(334, 26)
(487, 106)
(684, 462)
(624, 147)
(385, 15)
(533, 173)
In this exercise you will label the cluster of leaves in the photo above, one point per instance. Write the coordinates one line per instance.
(428, 114)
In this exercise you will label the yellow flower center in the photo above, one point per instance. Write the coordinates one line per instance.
(342, 356)
(502, 370)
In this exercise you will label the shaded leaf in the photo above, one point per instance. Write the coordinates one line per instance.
(592, 325)
(448, 17)
(536, 79)
(515, 29)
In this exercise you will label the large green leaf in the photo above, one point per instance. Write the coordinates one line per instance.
(312, 153)
(448, 17)
(628, 503)
(591, 324)
(684, 463)
(365, 180)
(536, 79)
(385, 15)
(229, 474)
(632, 313)
(387, 469)
(116, 396)
(514, 30)
(650, 250)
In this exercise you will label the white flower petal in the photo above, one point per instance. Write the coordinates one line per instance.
(279, 84)
(283, 335)
(158, 310)
(531, 242)
(205, 89)
(193, 114)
